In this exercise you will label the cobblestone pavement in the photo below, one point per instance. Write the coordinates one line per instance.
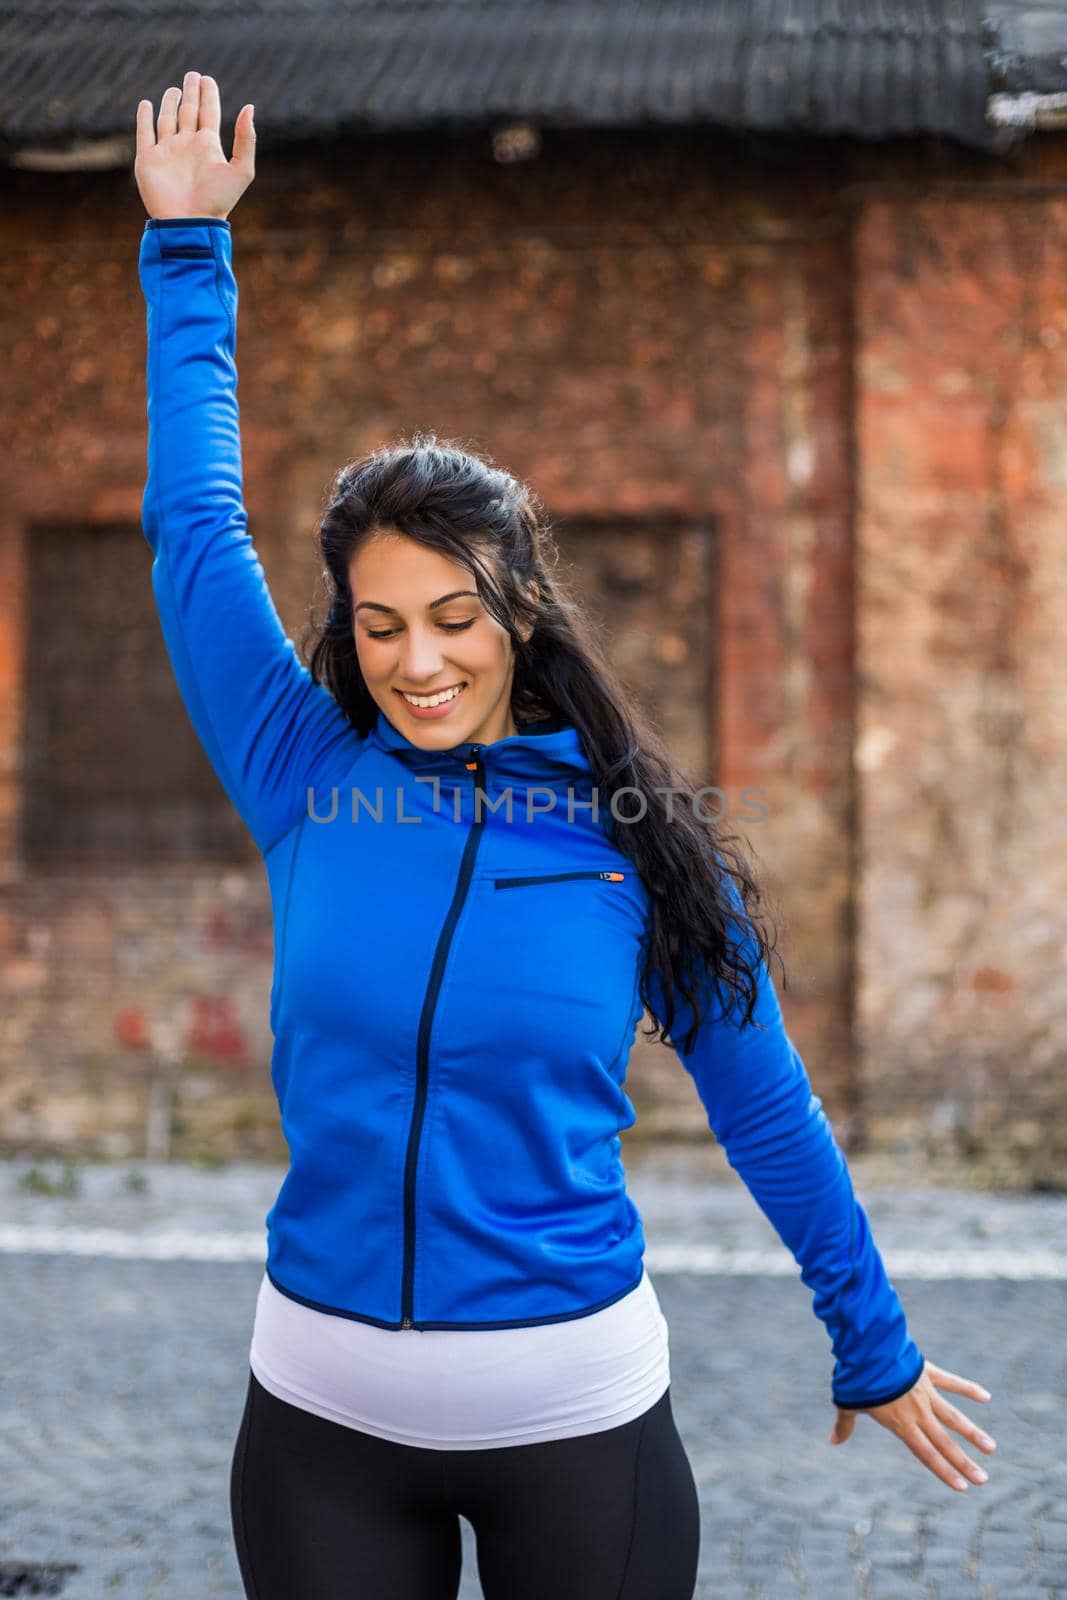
(124, 1363)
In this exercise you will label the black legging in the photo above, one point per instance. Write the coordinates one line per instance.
(325, 1512)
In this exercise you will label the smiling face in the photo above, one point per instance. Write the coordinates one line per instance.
(420, 627)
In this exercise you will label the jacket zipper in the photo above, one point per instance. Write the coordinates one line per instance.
(557, 877)
(433, 988)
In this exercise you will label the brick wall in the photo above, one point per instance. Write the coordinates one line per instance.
(657, 330)
(962, 729)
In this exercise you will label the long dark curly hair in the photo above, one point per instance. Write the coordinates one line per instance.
(460, 503)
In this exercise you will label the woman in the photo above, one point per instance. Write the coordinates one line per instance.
(483, 869)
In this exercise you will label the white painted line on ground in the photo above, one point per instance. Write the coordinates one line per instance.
(963, 1263)
(19, 1239)
(706, 1260)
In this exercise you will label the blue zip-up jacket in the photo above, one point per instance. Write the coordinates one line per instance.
(455, 990)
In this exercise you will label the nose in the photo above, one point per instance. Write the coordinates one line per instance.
(420, 658)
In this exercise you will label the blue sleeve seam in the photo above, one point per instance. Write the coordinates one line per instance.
(286, 831)
(630, 1006)
(285, 914)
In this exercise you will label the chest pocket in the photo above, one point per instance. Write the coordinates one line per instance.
(544, 966)
(558, 877)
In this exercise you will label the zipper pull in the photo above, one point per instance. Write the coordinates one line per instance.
(613, 877)
(475, 750)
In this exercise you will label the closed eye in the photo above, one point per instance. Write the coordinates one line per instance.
(450, 627)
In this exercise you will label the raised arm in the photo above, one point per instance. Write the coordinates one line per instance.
(762, 1109)
(270, 730)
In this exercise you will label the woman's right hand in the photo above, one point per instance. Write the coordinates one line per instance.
(180, 168)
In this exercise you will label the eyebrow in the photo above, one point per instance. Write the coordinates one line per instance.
(372, 605)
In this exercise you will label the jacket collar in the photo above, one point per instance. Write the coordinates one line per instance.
(547, 752)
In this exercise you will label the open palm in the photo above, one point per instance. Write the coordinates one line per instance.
(180, 167)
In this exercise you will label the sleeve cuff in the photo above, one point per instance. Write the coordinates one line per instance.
(187, 222)
(866, 1401)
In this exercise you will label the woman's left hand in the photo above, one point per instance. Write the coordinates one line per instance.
(921, 1418)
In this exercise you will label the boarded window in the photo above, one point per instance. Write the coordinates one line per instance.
(114, 770)
(650, 584)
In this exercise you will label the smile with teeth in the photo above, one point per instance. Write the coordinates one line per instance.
(434, 699)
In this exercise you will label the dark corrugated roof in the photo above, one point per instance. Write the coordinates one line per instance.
(869, 68)
(1028, 46)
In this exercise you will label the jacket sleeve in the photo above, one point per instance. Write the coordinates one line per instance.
(776, 1136)
(269, 729)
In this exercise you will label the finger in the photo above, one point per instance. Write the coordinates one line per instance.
(146, 136)
(952, 1380)
(947, 1413)
(931, 1457)
(168, 112)
(958, 1458)
(210, 109)
(244, 140)
(190, 106)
